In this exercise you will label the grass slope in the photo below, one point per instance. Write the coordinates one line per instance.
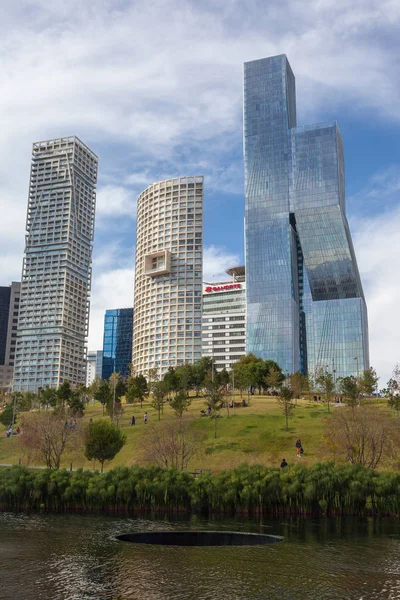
(254, 434)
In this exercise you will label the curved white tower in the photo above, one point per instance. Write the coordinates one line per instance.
(168, 276)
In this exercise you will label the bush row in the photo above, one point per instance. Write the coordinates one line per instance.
(324, 488)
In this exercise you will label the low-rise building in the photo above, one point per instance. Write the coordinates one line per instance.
(224, 319)
(94, 366)
(9, 309)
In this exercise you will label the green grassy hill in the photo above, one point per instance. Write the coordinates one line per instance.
(254, 434)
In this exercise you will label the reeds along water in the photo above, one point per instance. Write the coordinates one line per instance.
(323, 489)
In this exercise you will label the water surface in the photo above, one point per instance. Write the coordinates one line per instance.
(77, 557)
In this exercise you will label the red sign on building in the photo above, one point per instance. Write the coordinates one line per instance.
(222, 288)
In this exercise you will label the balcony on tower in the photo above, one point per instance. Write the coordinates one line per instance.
(157, 263)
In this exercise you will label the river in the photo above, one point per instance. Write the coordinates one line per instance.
(57, 557)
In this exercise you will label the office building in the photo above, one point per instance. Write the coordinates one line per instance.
(305, 303)
(56, 276)
(9, 307)
(168, 276)
(224, 319)
(117, 342)
(94, 366)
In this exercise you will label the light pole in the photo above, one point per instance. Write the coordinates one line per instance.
(334, 377)
(212, 361)
(13, 415)
(356, 359)
(113, 408)
(233, 391)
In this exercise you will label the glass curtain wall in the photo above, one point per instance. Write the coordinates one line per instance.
(305, 302)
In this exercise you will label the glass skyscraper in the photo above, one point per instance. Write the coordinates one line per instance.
(117, 344)
(305, 303)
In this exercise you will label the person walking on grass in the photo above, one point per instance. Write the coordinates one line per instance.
(298, 448)
(283, 463)
(145, 417)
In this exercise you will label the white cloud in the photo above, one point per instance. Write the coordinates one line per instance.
(216, 261)
(115, 201)
(156, 88)
(112, 288)
(377, 245)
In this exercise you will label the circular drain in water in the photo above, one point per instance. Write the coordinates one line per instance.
(200, 538)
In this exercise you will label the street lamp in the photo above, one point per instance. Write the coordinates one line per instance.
(233, 390)
(356, 359)
(334, 377)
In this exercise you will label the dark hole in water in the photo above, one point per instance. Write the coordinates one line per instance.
(200, 538)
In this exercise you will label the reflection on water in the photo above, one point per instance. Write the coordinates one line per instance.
(77, 557)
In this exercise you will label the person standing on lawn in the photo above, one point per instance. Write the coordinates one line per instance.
(298, 448)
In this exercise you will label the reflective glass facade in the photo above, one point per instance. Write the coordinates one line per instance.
(305, 302)
(117, 344)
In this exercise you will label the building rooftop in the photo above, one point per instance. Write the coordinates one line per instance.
(238, 273)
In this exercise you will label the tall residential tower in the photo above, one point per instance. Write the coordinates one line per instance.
(56, 276)
(168, 276)
(305, 303)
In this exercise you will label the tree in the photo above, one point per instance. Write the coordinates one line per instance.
(184, 377)
(368, 382)
(114, 405)
(64, 393)
(180, 403)
(393, 390)
(47, 436)
(172, 444)
(103, 441)
(224, 377)
(49, 397)
(153, 375)
(285, 401)
(137, 389)
(26, 400)
(275, 378)
(171, 380)
(213, 400)
(6, 415)
(159, 391)
(103, 393)
(249, 373)
(76, 401)
(349, 388)
(121, 388)
(365, 437)
(298, 384)
(200, 370)
(326, 384)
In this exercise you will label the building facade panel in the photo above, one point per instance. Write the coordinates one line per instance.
(168, 275)
(305, 303)
(56, 277)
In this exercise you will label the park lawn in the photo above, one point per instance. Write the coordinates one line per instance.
(254, 434)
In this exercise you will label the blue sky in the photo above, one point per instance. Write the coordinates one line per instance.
(155, 89)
